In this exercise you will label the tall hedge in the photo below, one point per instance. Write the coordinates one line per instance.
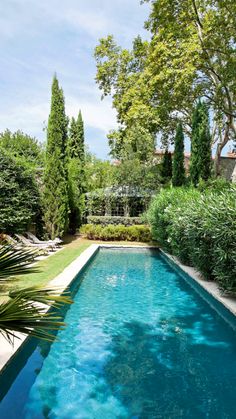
(199, 228)
(19, 196)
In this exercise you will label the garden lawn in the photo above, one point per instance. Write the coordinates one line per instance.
(53, 265)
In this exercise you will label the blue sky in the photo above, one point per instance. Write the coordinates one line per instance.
(40, 37)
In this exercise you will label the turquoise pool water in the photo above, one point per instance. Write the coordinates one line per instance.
(140, 343)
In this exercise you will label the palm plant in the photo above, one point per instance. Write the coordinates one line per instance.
(25, 310)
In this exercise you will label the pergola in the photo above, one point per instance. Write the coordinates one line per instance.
(126, 201)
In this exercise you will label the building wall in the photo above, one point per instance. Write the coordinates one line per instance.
(227, 166)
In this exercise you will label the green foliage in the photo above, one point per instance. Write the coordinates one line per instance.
(23, 147)
(133, 173)
(166, 166)
(199, 228)
(20, 201)
(98, 173)
(191, 54)
(18, 311)
(139, 233)
(76, 187)
(55, 194)
(15, 261)
(95, 203)
(80, 127)
(72, 143)
(75, 144)
(76, 172)
(200, 163)
(113, 220)
(136, 140)
(178, 160)
(119, 72)
(158, 217)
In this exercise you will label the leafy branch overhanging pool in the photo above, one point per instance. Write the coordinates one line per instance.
(140, 343)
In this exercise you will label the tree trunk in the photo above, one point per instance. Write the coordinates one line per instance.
(220, 147)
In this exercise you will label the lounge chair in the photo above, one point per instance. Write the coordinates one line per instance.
(28, 243)
(19, 245)
(12, 241)
(35, 240)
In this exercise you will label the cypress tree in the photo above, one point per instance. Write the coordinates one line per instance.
(178, 177)
(200, 163)
(166, 166)
(80, 128)
(75, 152)
(194, 160)
(72, 144)
(205, 162)
(55, 194)
(75, 148)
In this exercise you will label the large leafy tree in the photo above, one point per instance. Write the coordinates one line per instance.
(191, 54)
(178, 178)
(55, 192)
(135, 139)
(200, 163)
(20, 200)
(120, 74)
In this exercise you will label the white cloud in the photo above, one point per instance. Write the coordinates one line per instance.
(32, 117)
(98, 115)
(38, 38)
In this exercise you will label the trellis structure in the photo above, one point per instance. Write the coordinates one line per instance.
(124, 201)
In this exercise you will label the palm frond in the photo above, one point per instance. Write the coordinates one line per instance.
(26, 310)
(46, 296)
(21, 314)
(15, 261)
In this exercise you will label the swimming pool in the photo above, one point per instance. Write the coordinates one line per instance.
(140, 343)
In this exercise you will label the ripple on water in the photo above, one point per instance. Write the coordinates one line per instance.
(139, 344)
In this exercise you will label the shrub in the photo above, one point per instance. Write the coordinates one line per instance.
(20, 201)
(140, 233)
(159, 214)
(178, 214)
(200, 229)
(113, 220)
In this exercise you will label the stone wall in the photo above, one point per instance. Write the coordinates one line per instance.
(227, 167)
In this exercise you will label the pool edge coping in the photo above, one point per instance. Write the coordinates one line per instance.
(67, 276)
(210, 287)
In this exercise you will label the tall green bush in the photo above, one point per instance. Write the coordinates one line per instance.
(158, 215)
(199, 227)
(19, 196)
(24, 148)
